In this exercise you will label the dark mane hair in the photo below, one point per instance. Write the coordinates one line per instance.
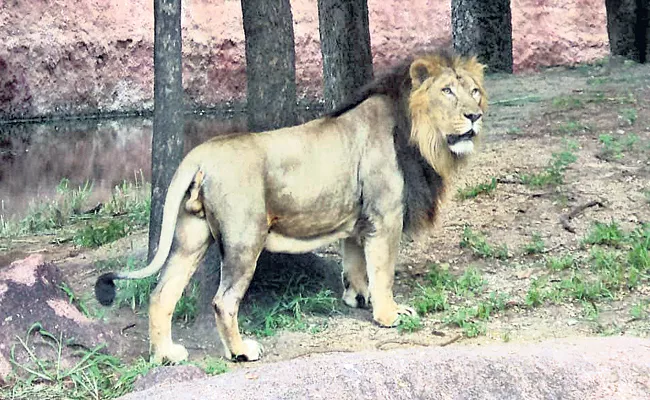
(423, 186)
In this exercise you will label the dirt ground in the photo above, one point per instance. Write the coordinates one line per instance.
(531, 117)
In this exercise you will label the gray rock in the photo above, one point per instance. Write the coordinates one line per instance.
(166, 376)
(590, 368)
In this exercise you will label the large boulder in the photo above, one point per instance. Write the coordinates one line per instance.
(32, 300)
(594, 368)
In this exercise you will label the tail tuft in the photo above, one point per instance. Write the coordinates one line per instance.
(105, 289)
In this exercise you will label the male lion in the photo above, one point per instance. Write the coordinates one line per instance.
(362, 175)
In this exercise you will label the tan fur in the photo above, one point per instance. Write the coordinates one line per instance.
(298, 188)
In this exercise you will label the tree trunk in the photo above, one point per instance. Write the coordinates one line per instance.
(627, 28)
(484, 28)
(270, 64)
(345, 46)
(167, 140)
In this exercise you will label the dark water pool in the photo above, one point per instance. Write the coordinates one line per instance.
(34, 157)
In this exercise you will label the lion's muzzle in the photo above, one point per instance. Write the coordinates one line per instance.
(454, 139)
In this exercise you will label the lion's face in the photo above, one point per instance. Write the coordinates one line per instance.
(448, 96)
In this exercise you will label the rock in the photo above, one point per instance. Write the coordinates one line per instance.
(93, 56)
(591, 368)
(167, 376)
(30, 293)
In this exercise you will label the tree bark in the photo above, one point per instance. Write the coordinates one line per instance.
(167, 140)
(345, 47)
(270, 64)
(627, 28)
(484, 28)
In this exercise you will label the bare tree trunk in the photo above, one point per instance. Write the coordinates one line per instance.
(627, 28)
(484, 28)
(345, 46)
(270, 64)
(167, 141)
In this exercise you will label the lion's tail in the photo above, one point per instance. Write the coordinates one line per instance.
(105, 285)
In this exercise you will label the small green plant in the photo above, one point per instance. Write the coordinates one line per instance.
(514, 131)
(639, 311)
(430, 300)
(409, 324)
(567, 102)
(605, 234)
(473, 191)
(80, 302)
(535, 246)
(470, 281)
(572, 127)
(98, 235)
(535, 296)
(479, 246)
(213, 366)
(629, 115)
(560, 263)
(553, 174)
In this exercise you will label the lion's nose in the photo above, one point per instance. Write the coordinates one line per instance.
(473, 117)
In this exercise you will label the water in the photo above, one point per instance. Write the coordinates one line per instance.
(34, 157)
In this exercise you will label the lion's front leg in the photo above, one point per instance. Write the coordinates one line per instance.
(381, 256)
(355, 278)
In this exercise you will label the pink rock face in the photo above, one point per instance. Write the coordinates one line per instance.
(97, 56)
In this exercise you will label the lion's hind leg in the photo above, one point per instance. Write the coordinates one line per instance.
(191, 241)
(355, 277)
(243, 243)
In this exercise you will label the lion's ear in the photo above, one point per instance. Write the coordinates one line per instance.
(419, 73)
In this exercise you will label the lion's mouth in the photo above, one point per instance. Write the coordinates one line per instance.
(453, 139)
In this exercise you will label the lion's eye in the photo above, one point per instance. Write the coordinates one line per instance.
(475, 92)
(447, 90)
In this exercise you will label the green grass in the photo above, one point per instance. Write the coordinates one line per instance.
(553, 174)
(618, 262)
(409, 324)
(135, 293)
(288, 305)
(572, 127)
(629, 115)
(127, 209)
(480, 189)
(477, 243)
(614, 147)
(477, 307)
(568, 102)
(91, 374)
(99, 234)
(535, 246)
(639, 311)
(605, 234)
(430, 299)
(82, 302)
(517, 101)
(561, 263)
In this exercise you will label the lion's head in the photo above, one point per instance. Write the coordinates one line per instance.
(447, 102)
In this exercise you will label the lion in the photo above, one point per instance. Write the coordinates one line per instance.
(363, 175)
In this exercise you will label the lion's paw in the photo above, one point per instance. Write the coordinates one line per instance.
(354, 299)
(174, 354)
(390, 318)
(253, 351)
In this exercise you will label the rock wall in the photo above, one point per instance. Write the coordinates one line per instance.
(87, 56)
